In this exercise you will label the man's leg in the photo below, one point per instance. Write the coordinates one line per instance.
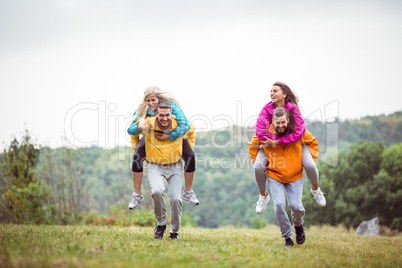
(174, 175)
(156, 182)
(294, 191)
(278, 194)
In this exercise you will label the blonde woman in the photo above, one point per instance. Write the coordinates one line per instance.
(152, 96)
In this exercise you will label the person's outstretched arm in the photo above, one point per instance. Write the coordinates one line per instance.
(133, 129)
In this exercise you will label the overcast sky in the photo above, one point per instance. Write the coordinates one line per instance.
(79, 68)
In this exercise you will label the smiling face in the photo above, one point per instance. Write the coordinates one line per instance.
(164, 117)
(152, 100)
(280, 123)
(277, 96)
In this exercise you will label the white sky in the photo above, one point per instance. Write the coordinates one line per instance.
(79, 68)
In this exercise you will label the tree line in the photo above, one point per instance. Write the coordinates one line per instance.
(93, 185)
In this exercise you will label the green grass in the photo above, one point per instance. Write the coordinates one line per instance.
(95, 246)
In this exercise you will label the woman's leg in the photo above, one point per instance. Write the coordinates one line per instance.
(310, 167)
(138, 165)
(312, 174)
(189, 169)
(260, 165)
(137, 170)
(137, 181)
(189, 165)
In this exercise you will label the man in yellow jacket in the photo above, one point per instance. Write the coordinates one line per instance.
(284, 175)
(163, 162)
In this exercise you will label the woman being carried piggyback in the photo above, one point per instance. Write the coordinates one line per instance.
(152, 96)
(281, 96)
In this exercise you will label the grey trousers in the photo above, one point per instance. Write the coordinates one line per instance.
(173, 174)
(294, 192)
(261, 164)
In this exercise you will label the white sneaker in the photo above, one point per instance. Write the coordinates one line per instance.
(261, 204)
(191, 198)
(319, 197)
(135, 201)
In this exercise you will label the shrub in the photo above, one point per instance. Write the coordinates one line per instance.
(258, 223)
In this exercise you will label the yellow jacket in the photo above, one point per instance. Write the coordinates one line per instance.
(163, 152)
(285, 160)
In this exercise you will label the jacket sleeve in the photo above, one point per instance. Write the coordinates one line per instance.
(262, 125)
(135, 138)
(300, 127)
(190, 136)
(312, 145)
(253, 147)
(182, 122)
(133, 129)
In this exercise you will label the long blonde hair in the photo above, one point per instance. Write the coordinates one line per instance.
(143, 107)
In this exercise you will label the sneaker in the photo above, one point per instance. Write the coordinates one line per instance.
(288, 242)
(191, 198)
(261, 204)
(300, 236)
(319, 197)
(159, 231)
(135, 201)
(174, 236)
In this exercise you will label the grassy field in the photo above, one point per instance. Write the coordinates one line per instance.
(95, 246)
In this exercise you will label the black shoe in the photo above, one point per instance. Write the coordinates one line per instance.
(288, 242)
(174, 236)
(160, 230)
(300, 236)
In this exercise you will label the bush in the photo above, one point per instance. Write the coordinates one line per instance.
(258, 223)
(121, 217)
(187, 219)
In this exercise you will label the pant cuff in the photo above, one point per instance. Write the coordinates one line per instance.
(161, 223)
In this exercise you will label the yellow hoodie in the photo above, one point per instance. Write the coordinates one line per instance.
(285, 160)
(163, 152)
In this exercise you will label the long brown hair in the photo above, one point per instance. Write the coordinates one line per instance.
(293, 99)
(290, 95)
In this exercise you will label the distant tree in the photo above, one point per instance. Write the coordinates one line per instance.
(23, 197)
(62, 169)
(387, 188)
(365, 184)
